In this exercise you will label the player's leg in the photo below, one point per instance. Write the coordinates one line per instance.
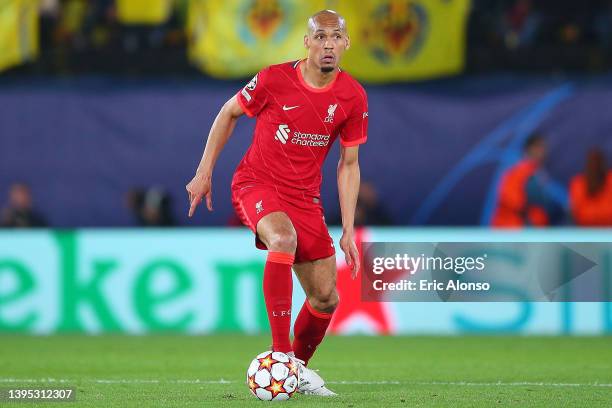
(318, 279)
(276, 231)
(316, 269)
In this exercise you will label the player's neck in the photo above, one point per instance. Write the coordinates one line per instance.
(314, 77)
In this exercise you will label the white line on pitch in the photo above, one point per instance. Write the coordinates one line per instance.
(112, 381)
(511, 384)
(223, 381)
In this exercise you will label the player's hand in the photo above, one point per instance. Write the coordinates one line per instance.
(199, 187)
(351, 254)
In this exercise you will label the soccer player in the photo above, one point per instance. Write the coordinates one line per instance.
(301, 108)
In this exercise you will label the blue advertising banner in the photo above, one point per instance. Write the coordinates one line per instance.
(435, 152)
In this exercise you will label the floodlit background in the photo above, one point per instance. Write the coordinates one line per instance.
(490, 120)
(105, 107)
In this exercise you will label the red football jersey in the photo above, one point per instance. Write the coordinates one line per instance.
(296, 126)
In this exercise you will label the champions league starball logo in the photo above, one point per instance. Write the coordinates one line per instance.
(252, 84)
(263, 20)
(398, 29)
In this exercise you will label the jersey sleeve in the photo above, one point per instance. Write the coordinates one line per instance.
(254, 96)
(355, 130)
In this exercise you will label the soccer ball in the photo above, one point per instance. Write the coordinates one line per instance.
(272, 376)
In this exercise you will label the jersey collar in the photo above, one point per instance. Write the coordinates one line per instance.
(311, 88)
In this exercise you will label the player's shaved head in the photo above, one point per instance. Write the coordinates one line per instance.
(326, 18)
(326, 40)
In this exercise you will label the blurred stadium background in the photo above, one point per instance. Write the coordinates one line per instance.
(105, 106)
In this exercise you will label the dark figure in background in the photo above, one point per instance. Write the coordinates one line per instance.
(19, 212)
(520, 24)
(603, 25)
(591, 193)
(151, 207)
(522, 197)
(369, 210)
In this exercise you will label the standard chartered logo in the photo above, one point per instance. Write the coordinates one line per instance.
(310, 139)
(301, 139)
(282, 134)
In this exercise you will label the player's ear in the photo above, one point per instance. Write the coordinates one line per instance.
(348, 42)
(306, 41)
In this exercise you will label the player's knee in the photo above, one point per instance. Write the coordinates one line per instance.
(283, 241)
(325, 300)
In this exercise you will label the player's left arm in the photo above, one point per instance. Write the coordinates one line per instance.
(354, 132)
(348, 189)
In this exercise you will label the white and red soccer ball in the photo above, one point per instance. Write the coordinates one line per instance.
(273, 376)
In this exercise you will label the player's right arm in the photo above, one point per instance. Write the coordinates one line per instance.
(223, 126)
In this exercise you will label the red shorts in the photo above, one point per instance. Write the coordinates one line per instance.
(254, 201)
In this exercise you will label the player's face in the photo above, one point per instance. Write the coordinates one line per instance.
(326, 43)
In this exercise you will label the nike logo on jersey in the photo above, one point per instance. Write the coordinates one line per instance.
(286, 108)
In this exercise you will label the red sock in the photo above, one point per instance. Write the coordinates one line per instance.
(277, 289)
(309, 330)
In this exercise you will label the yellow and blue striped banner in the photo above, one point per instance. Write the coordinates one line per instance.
(18, 32)
(143, 11)
(236, 38)
(405, 39)
(390, 39)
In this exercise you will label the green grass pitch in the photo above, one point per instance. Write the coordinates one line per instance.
(199, 371)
